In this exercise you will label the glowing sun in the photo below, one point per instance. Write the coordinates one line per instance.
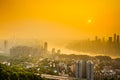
(89, 20)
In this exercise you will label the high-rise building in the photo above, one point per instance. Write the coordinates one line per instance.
(115, 38)
(110, 40)
(118, 39)
(53, 50)
(77, 69)
(84, 70)
(45, 48)
(96, 38)
(103, 39)
(58, 51)
(5, 46)
(90, 71)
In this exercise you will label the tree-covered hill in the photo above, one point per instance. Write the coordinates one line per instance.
(12, 73)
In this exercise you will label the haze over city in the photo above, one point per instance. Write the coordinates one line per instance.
(59, 39)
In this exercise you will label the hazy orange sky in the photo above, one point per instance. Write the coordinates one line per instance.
(59, 19)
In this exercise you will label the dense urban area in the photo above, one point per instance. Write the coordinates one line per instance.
(106, 46)
(38, 63)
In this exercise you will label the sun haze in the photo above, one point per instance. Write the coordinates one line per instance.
(59, 19)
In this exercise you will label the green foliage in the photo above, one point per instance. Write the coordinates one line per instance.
(11, 73)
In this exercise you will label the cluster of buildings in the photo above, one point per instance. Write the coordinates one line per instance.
(16, 50)
(28, 51)
(84, 70)
(115, 39)
(109, 46)
(79, 70)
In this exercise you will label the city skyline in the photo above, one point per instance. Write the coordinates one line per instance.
(60, 39)
(108, 45)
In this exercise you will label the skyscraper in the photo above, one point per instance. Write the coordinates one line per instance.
(96, 38)
(114, 38)
(58, 51)
(118, 39)
(110, 40)
(5, 46)
(53, 50)
(77, 70)
(103, 39)
(90, 71)
(84, 70)
(45, 48)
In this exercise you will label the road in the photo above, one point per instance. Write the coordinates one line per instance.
(56, 77)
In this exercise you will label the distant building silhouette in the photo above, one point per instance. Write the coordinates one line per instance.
(103, 39)
(53, 50)
(109, 46)
(110, 40)
(26, 51)
(5, 46)
(58, 51)
(96, 38)
(117, 38)
(45, 47)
